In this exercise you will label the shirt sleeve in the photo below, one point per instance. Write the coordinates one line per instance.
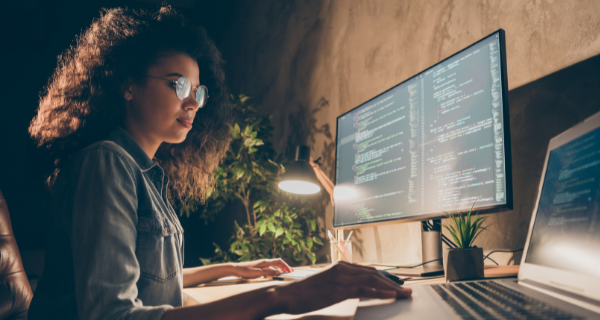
(103, 240)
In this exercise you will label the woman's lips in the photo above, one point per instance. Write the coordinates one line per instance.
(185, 123)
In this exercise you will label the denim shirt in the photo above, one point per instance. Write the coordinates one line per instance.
(115, 247)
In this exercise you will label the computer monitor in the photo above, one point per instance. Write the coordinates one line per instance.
(434, 144)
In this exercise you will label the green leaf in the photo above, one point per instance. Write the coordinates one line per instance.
(252, 150)
(312, 256)
(263, 228)
(271, 227)
(205, 262)
(239, 174)
(249, 142)
(317, 240)
(313, 225)
(279, 232)
(248, 130)
(257, 203)
(288, 235)
(236, 131)
(245, 257)
(309, 243)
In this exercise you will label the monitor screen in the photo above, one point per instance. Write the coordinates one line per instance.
(566, 231)
(436, 143)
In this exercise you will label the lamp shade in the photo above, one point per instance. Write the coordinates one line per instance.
(299, 176)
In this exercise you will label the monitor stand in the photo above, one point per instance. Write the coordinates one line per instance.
(431, 246)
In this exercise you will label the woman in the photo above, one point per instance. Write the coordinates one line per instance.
(128, 126)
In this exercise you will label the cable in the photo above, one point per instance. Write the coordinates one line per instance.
(508, 251)
(418, 265)
(448, 242)
(422, 278)
(494, 261)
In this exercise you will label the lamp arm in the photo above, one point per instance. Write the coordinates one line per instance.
(327, 184)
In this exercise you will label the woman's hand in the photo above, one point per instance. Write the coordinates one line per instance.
(338, 283)
(258, 268)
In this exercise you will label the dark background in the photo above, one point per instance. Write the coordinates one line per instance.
(34, 34)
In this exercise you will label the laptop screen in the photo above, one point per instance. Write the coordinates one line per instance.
(566, 231)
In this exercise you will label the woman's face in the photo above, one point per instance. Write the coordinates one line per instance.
(154, 112)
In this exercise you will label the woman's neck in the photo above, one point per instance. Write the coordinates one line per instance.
(146, 142)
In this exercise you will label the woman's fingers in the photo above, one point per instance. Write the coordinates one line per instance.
(367, 280)
(350, 269)
(368, 292)
(277, 263)
(352, 275)
(251, 273)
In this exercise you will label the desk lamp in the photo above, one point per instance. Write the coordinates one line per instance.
(299, 176)
(303, 177)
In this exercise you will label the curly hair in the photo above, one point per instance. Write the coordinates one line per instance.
(83, 100)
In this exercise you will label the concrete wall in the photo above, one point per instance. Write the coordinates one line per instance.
(307, 62)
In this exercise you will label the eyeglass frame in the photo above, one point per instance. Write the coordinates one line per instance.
(174, 82)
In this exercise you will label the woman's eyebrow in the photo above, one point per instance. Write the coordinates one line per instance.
(179, 75)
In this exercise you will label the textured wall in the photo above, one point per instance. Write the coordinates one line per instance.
(307, 62)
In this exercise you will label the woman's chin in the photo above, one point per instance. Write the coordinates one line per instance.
(176, 139)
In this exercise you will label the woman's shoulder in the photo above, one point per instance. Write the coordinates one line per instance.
(101, 151)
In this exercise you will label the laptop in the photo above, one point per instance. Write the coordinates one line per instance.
(559, 277)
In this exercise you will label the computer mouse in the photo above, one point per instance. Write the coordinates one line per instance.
(392, 277)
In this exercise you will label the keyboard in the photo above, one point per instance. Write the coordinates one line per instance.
(490, 300)
(297, 274)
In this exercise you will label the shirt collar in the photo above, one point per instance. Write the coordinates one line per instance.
(126, 141)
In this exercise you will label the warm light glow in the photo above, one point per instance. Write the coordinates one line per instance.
(300, 187)
(341, 193)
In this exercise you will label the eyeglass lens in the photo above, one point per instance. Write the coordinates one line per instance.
(183, 87)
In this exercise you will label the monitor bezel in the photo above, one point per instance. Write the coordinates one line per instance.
(506, 136)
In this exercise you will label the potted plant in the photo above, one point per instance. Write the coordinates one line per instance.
(464, 261)
(277, 224)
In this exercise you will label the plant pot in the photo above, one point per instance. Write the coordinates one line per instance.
(463, 264)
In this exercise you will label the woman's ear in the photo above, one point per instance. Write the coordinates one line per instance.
(127, 90)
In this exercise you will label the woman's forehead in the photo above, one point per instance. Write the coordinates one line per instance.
(179, 63)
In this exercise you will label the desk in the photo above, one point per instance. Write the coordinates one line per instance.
(218, 290)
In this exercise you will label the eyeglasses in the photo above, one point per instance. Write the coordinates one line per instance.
(183, 88)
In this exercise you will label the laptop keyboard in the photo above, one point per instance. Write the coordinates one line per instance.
(489, 300)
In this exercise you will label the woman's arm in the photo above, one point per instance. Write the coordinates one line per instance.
(256, 304)
(195, 276)
(336, 284)
(247, 270)
(103, 235)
